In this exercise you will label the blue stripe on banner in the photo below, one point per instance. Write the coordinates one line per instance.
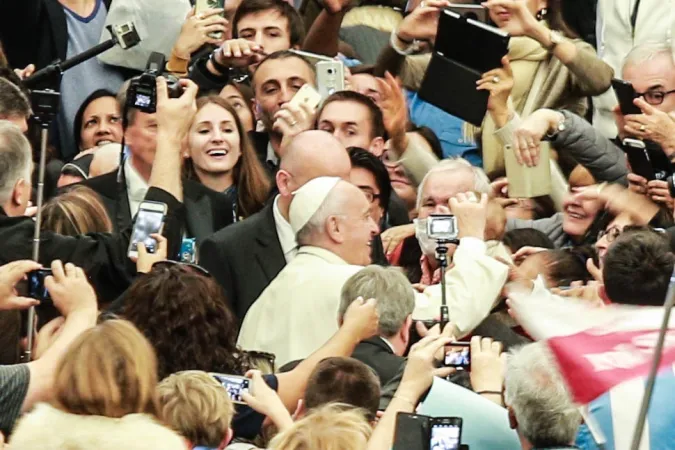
(661, 417)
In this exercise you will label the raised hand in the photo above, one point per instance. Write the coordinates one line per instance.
(653, 124)
(239, 53)
(69, 289)
(174, 115)
(528, 136)
(471, 214)
(362, 318)
(499, 83)
(394, 109)
(422, 23)
(521, 21)
(198, 29)
(10, 275)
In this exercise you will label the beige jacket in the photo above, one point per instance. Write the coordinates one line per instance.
(48, 428)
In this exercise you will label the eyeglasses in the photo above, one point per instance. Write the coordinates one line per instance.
(615, 232)
(370, 195)
(655, 97)
(167, 264)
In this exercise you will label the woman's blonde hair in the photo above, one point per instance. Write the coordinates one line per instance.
(332, 427)
(77, 211)
(110, 371)
(196, 406)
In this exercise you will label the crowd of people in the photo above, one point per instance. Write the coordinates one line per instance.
(297, 253)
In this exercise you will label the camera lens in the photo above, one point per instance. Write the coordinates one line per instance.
(330, 71)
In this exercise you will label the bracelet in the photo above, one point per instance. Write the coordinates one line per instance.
(489, 392)
(413, 404)
(218, 66)
(411, 48)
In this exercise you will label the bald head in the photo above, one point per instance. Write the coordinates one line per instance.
(106, 159)
(310, 155)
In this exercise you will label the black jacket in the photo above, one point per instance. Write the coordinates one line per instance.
(376, 354)
(102, 256)
(206, 211)
(244, 258)
(34, 31)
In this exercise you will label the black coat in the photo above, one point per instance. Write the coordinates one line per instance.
(244, 258)
(376, 354)
(206, 211)
(102, 256)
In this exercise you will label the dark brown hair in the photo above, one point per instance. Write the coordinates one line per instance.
(250, 178)
(184, 315)
(376, 118)
(296, 29)
(554, 17)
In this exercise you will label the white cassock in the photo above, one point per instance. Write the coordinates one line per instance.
(298, 312)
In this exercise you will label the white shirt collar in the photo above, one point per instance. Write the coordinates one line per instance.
(136, 187)
(271, 156)
(286, 236)
(388, 344)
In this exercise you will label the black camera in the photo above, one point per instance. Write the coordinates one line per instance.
(142, 92)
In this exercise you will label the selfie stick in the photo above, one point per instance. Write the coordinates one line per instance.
(651, 380)
(442, 257)
(45, 104)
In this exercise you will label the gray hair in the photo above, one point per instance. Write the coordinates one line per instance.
(481, 182)
(537, 394)
(647, 52)
(15, 159)
(315, 226)
(395, 296)
(13, 102)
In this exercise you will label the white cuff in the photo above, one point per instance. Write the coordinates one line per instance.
(473, 245)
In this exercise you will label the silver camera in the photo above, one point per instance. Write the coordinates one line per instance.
(442, 227)
(125, 34)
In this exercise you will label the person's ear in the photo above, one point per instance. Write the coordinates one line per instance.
(513, 422)
(377, 146)
(334, 229)
(19, 194)
(226, 440)
(405, 330)
(282, 179)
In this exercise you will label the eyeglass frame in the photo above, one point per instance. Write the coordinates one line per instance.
(602, 233)
(651, 91)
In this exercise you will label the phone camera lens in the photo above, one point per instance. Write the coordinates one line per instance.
(330, 71)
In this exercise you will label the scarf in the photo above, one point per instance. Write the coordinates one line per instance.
(525, 55)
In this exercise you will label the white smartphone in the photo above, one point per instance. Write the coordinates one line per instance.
(149, 220)
(201, 5)
(311, 57)
(308, 95)
(235, 385)
(330, 77)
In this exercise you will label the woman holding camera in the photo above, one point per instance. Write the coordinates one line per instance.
(551, 67)
(221, 157)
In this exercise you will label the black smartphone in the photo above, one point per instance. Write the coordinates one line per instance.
(646, 160)
(458, 355)
(625, 93)
(412, 432)
(446, 433)
(234, 385)
(36, 286)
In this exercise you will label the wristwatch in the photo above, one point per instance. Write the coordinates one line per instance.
(411, 48)
(556, 38)
(560, 126)
(224, 70)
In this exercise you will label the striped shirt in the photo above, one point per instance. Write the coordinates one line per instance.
(13, 389)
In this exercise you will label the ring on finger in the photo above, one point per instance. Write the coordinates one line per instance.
(643, 128)
(496, 79)
(294, 123)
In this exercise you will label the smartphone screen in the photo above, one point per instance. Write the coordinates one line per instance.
(458, 355)
(412, 432)
(36, 286)
(445, 433)
(234, 385)
(147, 222)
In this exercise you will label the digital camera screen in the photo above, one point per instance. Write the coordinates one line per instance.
(147, 223)
(442, 226)
(234, 386)
(459, 357)
(444, 437)
(142, 101)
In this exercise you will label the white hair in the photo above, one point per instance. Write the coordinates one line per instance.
(481, 183)
(15, 159)
(333, 205)
(540, 401)
(648, 51)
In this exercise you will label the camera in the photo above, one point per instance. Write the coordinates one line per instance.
(142, 92)
(442, 227)
(125, 35)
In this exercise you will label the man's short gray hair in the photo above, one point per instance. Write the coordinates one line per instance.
(394, 293)
(648, 52)
(15, 158)
(540, 401)
(481, 182)
(13, 102)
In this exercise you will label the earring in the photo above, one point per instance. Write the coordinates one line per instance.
(541, 13)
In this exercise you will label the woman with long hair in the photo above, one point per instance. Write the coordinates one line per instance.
(104, 397)
(220, 155)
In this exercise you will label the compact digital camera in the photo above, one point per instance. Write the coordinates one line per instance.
(442, 227)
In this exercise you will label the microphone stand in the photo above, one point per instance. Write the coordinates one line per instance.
(656, 362)
(45, 105)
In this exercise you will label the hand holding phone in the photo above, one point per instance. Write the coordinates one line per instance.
(11, 276)
(235, 386)
(458, 356)
(625, 93)
(298, 114)
(216, 27)
(149, 220)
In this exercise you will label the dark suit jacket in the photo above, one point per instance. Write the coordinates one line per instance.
(207, 211)
(376, 354)
(244, 258)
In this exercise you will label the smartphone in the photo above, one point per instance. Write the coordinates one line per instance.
(201, 5)
(188, 251)
(446, 433)
(412, 432)
(308, 95)
(234, 385)
(458, 355)
(36, 286)
(149, 220)
(330, 77)
(650, 163)
(475, 12)
(625, 93)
